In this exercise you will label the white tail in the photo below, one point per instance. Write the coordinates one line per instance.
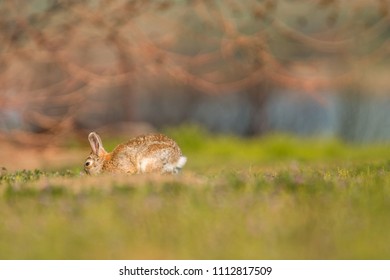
(169, 168)
(181, 162)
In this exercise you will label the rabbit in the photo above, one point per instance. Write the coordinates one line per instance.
(153, 153)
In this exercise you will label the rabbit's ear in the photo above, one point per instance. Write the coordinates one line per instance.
(96, 144)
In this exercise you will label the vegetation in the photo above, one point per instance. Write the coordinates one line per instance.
(270, 198)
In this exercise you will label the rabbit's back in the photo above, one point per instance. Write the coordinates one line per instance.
(145, 154)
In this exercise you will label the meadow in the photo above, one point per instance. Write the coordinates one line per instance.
(273, 197)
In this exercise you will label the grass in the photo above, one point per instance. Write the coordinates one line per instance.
(267, 198)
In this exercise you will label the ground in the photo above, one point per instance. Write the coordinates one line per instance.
(276, 197)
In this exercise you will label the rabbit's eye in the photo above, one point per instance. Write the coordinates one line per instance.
(88, 163)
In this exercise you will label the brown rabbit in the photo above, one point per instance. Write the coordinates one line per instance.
(153, 153)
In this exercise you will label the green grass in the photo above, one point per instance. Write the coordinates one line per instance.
(267, 198)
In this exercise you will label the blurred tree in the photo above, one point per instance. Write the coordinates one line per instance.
(62, 58)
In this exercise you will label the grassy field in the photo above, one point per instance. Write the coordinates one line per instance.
(276, 197)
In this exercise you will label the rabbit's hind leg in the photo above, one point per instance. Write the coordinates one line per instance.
(150, 165)
(155, 165)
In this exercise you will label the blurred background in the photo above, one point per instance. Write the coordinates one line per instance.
(248, 68)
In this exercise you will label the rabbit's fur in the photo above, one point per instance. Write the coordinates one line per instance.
(153, 153)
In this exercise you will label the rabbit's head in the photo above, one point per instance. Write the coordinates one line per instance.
(94, 163)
